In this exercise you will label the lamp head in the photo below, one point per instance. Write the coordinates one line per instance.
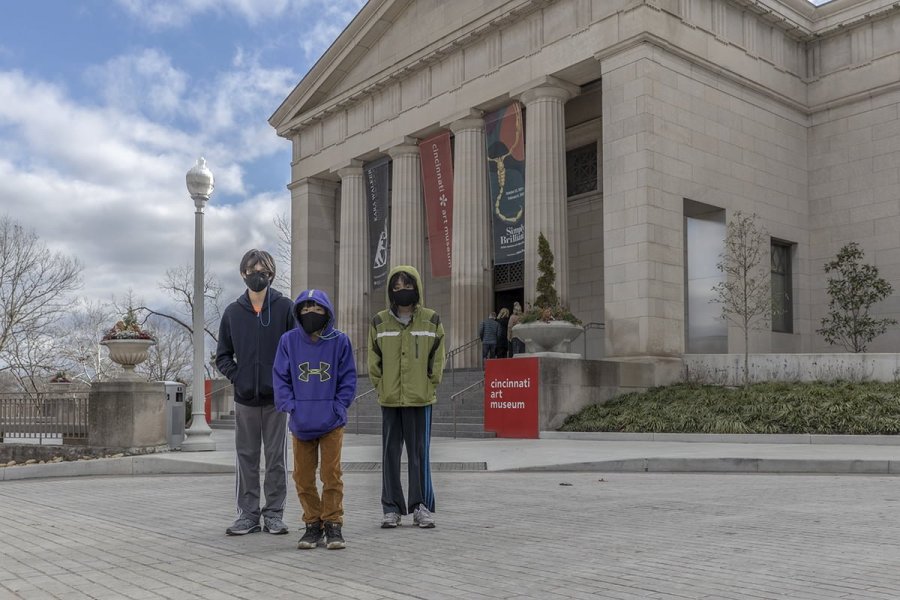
(200, 182)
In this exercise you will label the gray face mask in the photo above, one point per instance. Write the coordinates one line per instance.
(257, 281)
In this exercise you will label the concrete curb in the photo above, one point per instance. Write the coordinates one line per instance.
(128, 465)
(727, 465)
(725, 438)
(149, 465)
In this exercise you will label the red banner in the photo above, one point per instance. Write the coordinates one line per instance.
(437, 178)
(511, 397)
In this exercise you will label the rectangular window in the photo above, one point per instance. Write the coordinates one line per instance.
(704, 242)
(782, 305)
(581, 170)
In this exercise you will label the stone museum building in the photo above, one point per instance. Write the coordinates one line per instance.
(448, 134)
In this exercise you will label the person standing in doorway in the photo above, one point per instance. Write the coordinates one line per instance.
(488, 332)
(249, 333)
(502, 335)
(516, 346)
(406, 363)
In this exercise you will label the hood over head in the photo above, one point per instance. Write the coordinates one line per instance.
(413, 273)
(320, 298)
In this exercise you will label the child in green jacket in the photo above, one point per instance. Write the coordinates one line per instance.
(406, 363)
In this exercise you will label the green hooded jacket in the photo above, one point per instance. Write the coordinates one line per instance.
(406, 362)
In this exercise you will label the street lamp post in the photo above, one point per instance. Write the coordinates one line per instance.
(198, 436)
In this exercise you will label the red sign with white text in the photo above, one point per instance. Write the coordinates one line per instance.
(511, 397)
(437, 186)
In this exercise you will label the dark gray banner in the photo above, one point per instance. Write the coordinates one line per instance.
(377, 177)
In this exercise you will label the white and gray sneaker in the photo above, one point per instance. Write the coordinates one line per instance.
(390, 520)
(274, 525)
(243, 526)
(423, 517)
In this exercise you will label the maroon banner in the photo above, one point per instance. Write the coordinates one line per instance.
(437, 180)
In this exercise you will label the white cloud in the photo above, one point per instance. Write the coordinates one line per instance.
(177, 13)
(145, 82)
(108, 188)
(102, 179)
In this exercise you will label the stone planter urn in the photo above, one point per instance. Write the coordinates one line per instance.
(128, 353)
(552, 336)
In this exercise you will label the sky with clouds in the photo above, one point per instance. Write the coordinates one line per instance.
(106, 104)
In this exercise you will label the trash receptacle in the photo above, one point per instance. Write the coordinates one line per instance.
(174, 413)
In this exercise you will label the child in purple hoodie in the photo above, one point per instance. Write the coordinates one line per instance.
(314, 376)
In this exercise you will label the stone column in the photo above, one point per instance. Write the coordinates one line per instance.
(470, 285)
(407, 207)
(313, 229)
(545, 182)
(353, 261)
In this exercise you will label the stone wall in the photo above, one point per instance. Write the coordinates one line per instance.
(728, 369)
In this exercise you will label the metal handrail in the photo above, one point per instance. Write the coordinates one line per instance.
(458, 395)
(356, 405)
(453, 353)
(587, 326)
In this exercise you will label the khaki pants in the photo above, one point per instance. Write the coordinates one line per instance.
(330, 507)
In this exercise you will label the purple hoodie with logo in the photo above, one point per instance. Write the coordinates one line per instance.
(314, 381)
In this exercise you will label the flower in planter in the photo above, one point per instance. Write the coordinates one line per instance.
(60, 377)
(127, 329)
(547, 306)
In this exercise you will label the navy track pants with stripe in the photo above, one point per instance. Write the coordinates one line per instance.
(409, 426)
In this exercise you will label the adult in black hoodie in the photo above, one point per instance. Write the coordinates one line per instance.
(248, 339)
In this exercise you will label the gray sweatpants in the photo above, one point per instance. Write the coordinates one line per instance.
(257, 426)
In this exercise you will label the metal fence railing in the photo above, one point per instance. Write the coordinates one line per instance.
(44, 418)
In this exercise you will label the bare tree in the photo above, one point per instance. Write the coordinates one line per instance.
(170, 358)
(79, 335)
(179, 283)
(283, 252)
(34, 287)
(745, 295)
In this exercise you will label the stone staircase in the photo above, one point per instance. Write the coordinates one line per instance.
(365, 414)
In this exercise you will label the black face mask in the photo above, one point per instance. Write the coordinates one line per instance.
(313, 322)
(405, 297)
(257, 281)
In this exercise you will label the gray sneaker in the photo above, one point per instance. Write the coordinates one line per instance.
(243, 526)
(274, 525)
(423, 517)
(390, 520)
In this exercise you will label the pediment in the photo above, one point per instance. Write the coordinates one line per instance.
(382, 37)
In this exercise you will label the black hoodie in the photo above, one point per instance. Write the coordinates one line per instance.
(248, 342)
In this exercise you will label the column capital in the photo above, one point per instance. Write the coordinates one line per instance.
(314, 181)
(466, 124)
(350, 172)
(348, 169)
(545, 87)
(469, 114)
(401, 146)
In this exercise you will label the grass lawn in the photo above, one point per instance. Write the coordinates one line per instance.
(835, 408)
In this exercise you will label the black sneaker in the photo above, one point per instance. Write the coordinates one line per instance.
(313, 535)
(333, 538)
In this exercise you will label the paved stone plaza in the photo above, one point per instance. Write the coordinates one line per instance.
(499, 535)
